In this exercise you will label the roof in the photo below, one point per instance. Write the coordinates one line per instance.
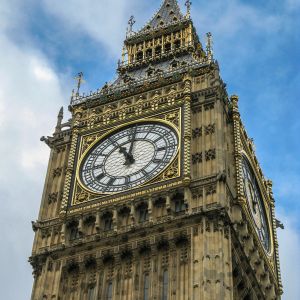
(168, 13)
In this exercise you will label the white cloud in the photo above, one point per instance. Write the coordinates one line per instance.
(30, 96)
(43, 73)
(103, 20)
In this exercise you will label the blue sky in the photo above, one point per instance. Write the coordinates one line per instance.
(43, 44)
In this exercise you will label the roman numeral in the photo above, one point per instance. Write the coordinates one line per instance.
(157, 139)
(100, 176)
(161, 149)
(157, 161)
(93, 168)
(145, 173)
(127, 179)
(111, 181)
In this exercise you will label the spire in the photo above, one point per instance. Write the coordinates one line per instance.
(60, 117)
(131, 22)
(168, 13)
(209, 46)
(188, 5)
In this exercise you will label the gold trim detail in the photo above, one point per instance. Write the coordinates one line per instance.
(171, 118)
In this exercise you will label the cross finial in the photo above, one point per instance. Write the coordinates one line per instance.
(79, 79)
(131, 22)
(209, 46)
(188, 5)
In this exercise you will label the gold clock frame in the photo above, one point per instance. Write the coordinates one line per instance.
(266, 208)
(80, 191)
(118, 128)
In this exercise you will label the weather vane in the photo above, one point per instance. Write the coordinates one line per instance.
(131, 22)
(80, 81)
(188, 5)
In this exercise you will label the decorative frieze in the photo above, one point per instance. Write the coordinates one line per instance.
(209, 106)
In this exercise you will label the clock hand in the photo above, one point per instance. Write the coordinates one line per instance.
(132, 141)
(128, 157)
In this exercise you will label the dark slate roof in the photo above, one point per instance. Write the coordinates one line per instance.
(168, 13)
(164, 67)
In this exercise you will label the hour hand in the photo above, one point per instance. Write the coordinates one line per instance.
(128, 157)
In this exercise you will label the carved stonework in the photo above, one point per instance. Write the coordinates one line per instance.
(210, 154)
(81, 196)
(197, 158)
(53, 197)
(209, 129)
(197, 132)
(211, 189)
(57, 172)
(197, 193)
(143, 214)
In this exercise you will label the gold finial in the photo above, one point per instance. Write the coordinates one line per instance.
(131, 22)
(188, 5)
(209, 46)
(80, 81)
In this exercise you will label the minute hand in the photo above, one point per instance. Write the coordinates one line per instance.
(132, 141)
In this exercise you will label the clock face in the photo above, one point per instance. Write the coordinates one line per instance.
(255, 203)
(129, 157)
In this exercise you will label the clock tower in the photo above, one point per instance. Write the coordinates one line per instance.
(153, 189)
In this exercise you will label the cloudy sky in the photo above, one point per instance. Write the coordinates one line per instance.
(44, 43)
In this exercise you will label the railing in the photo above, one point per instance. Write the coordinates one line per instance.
(114, 88)
(133, 35)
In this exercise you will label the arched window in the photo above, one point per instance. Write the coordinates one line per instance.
(167, 47)
(109, 292)
(179, 202)
(158, 50)
(146, 287)
(91, 293)
(177, 44)
(149, 53)
(143, 212)
(107, 221)
(165, 285)
(73, 230)
(139, 55)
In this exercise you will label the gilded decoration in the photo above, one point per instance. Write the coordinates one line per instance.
(173, 118)
(128, 109)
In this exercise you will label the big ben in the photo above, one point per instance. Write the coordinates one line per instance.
(153, 188)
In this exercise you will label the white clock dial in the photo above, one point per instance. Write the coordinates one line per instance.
(129, 157)
(255, 203)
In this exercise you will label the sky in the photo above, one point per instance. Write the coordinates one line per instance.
(45, 43)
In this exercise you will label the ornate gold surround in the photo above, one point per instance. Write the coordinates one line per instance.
(81, 195)
(265, 203)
